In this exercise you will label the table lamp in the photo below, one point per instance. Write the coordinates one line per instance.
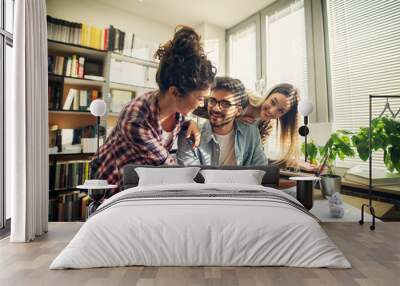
(305, 108)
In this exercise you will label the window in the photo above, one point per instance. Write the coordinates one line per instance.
(243, 52)
(6, 43)
(285, 42)
(364, 54)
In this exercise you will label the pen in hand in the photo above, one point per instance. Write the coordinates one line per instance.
(192, 147)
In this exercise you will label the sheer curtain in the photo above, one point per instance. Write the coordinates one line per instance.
(27, 123)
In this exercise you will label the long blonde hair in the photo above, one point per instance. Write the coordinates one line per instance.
(287, 125)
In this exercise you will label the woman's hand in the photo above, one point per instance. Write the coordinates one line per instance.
(305, 166)
(193, 133)
(247, 119)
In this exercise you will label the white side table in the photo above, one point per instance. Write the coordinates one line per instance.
(304, 190)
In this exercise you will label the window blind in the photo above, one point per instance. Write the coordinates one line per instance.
(364, 41)
(242, 55)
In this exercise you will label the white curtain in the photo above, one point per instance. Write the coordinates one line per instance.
(27, 123)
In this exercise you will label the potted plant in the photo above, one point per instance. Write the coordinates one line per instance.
(338, 146)
(385, 137)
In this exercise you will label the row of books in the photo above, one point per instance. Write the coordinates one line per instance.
(66, 138)
(68, 174)
(69, 207)
(73, 66)
(78, 99)
(109, 39)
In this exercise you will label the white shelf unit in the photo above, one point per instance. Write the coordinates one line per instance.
(111, 81)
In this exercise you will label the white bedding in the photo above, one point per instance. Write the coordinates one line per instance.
(183, 231)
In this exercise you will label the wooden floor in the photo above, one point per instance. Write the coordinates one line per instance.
(374, 255)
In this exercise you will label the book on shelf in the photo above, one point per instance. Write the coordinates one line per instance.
(106, 39)
(54, 95)
(68, 140)
(67, 174)
(71, 66)
(79, 100)
(380, 176)
(70, 206)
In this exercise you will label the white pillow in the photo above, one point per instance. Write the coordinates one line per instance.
(249, 177)
(166, 176)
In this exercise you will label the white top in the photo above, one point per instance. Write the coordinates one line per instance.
(227, 148)
(305, 178)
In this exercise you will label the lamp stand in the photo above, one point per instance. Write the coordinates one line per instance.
(303, 131)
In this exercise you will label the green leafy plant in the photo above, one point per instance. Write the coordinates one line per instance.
(312, 151)
(385, 136)
(338, 146)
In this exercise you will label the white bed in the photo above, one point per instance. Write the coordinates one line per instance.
(135, 227)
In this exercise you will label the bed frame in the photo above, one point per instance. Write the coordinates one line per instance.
(271, 178)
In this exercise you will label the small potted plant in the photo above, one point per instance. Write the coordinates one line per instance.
(338, 146)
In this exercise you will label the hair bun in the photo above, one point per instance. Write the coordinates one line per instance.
(186, 42)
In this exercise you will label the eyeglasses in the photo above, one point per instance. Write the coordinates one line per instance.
(223, 104)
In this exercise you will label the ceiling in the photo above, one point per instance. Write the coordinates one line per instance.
(223, 13)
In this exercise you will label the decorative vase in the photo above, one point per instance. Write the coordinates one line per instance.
(330, 184)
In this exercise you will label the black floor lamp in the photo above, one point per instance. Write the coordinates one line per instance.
(97, 189)
(305, 108)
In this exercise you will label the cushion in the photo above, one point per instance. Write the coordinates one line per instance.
(163, 176)
(248, 177)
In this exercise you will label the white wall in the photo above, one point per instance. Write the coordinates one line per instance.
(100, 15)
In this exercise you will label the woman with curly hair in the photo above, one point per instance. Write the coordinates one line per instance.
(148, 125)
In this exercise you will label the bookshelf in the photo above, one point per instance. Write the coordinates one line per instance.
(108, 71)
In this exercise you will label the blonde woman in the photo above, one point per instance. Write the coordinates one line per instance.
(278, 105)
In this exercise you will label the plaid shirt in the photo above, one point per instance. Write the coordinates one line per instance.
(136, 139)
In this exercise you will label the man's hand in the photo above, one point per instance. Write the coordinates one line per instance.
(247, 119)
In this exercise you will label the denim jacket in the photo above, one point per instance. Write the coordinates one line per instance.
(248, 148)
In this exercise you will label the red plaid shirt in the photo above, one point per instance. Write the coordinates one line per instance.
(136, 139)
